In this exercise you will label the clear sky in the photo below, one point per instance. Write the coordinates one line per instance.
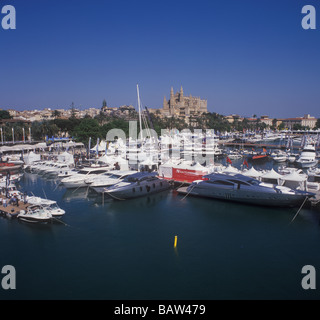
(244, 56)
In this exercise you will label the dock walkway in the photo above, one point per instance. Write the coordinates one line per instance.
(11, 210)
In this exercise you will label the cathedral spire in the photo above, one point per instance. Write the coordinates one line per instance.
(165, 103)
(181, 94)
(172, 101)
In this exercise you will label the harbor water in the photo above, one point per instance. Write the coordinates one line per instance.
(123, 250)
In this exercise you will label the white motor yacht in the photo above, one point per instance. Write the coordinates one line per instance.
(137, 185)
(240, 188)
(34, 167)
(35, 214)
(234, 154)
(50, 205)
(64, 173)
(108, 179)
(307, 158)
(313, 183)
(279, 156)
(78, 179)
(57, 168)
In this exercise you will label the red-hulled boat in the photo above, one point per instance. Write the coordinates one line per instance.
(259, 158)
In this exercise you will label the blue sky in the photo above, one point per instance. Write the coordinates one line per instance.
(245, 57)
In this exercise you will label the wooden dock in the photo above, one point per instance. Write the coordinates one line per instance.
(12, 210)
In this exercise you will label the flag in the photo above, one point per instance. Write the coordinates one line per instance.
(264, 150)
(245, 163)
(228, 160)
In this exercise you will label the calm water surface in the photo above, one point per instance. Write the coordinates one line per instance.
(124, 250)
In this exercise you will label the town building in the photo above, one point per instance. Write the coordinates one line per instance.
(233, 117)
(305, 121)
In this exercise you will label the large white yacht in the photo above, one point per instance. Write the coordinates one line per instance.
(240, 188)
(137, 185)
(57, 168)
(307, 158)
(77, 180)
(100, 183)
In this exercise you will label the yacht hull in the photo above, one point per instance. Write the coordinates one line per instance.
(253, 198)
(136, 191)
(309, 164)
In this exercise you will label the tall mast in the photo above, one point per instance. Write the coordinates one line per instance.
(139, 107)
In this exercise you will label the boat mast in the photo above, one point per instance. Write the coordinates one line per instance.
(139, 108)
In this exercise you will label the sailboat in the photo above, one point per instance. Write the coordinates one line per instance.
(142, 148)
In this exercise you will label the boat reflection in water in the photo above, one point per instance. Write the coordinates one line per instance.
(240, 188)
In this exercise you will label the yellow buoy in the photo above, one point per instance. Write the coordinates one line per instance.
(175, 241)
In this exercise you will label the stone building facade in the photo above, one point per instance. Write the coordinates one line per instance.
(183, 106)
(305, 121)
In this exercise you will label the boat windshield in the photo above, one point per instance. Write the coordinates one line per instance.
(82, 172)
(115, 176)
(309, 150)
(97, 172)
(253, 182)
(130, 179)
(54, 206)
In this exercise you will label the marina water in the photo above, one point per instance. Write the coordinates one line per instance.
(111, 250)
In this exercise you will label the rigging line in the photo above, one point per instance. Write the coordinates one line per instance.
(112, 196)
(67, 225)
(57, 185)
(299, 209)
(188, 193)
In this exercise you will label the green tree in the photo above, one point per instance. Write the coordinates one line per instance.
(101, 118)
(4, 114)
(281, 126)
(73, 111)
(297, 126)
(56, 114)
(87, 128)
(41, 129)
(274, 124)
